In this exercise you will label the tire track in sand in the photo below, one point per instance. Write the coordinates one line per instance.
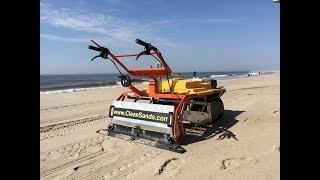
(70, 123)
(59, 128)
(73, 105)
(73, 113)
(113, 159)
(70, 155)
(128, 165)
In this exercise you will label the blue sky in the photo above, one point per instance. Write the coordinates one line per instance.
(206, 35)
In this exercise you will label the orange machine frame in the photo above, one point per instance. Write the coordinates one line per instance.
(153, 73)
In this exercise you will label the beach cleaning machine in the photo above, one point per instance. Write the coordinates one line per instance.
(158, 112)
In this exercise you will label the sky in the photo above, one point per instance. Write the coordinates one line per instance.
(206, 35)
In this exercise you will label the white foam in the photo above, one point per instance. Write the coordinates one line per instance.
(222, 75)
(253, 74)
(76, 89)
(118, 83)
(244, 75)
(84, 89)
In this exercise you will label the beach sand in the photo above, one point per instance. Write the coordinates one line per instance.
(244, 144)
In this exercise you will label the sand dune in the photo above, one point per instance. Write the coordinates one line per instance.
(244, 144)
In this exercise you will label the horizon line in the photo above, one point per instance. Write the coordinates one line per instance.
(173, 72)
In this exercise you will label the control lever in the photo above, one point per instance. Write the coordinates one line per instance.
(96, 57)
(142, 53)
(147, 46)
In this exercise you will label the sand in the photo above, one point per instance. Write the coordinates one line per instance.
(244, 144)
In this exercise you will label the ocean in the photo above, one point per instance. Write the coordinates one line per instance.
(79, 82)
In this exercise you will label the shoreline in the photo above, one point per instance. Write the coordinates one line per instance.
(118, 85)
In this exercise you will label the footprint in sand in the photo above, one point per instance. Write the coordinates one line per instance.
(170, 167)
(232, 164)
(110, 145)
(251, 120)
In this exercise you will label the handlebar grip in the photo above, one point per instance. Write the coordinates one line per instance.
(138, 41)
(94, 48)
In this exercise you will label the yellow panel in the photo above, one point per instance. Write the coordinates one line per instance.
(187, 86)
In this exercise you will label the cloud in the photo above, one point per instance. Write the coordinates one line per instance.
(108, 25)
(104, 27)
(101, 40)
(64, 39)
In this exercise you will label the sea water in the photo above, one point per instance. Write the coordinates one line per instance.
(81, 82)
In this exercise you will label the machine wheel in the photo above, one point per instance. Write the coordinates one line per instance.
(217, 107)
(125, 81)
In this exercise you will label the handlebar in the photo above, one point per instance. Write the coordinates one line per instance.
(101, 49)
(94, 48)
(104, 52)
(148, 47)
(142, 43)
